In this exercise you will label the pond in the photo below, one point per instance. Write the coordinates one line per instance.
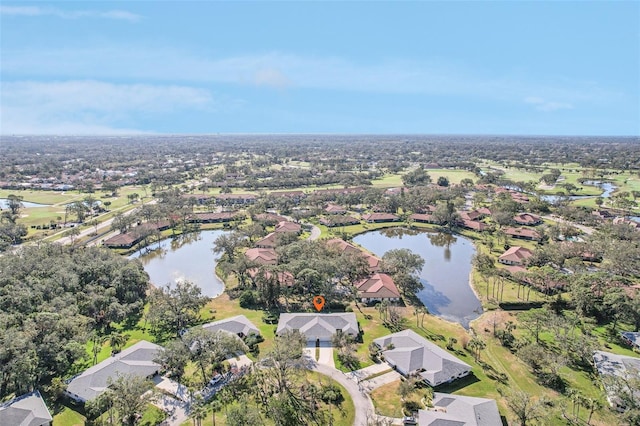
(185, 258)
(607, 190)
(4, 203)
(445, 276)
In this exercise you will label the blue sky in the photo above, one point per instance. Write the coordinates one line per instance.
(548, 68)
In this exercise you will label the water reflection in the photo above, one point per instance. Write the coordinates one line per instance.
(445, 275)
(186, 257)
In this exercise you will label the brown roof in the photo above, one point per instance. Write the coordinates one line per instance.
(288, 227)
(121, 240)
(420, 217)
(516, 255)
(378, 217)
(334, 208)
(268, 242)
(378, 286)
(285, 278)
(472, 224)
(526, 219)
(522, 233)
(264, 256)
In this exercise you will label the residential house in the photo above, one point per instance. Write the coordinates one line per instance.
(137, 360)
(269, 241)
(284, 278)
(236, 199)
(523, 233)
(338, 220)
(411, 354)
(126, 240)
(343, 246)
(377, 288)
(286, 226)
(270, 218)
(263, 256)
(473, 225)
(212, 217)
(516, 255)
(319, 327)
(238, 325)
(424, 218)
(380, 217)
(621, 366)
(26, 410)
(334, 209)
(527, 219)
(459, 410)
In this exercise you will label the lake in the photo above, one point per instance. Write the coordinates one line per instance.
(4, 203)
(445, 276)
(188, 257)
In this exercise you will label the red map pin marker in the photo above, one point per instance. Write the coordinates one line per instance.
(318, 302)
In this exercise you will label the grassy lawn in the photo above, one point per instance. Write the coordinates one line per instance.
(386, 181)
(455, 176)
(68, 417)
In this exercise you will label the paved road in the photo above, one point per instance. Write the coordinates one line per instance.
(315, 233)
(361, 401)
(586, 229)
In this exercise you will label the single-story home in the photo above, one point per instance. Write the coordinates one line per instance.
(263, 256)
(411, 354)
(516, 255)
(523, 233)
(25, 410)
(238, 325)
(236, 198)
(380, 217)
(338, 220)
(424, 218)
(473, 225)
(459, 410)
(286, 226)
(527, 219)
(137, 359)
(345, 247)
(376, 288)
(610, 364)
(270, 241)
(319, 327)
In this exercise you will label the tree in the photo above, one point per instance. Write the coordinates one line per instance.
(535, 321)
(208, 349)
(406, 387)
(174, 358)
(174, 308)
(525, 407)
(118, 340)
(198, 410)
(443, 181)
(227, 244)
(416, 177)
(131, 394)
(404, 267)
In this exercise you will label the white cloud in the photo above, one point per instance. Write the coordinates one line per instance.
(291, 72)
(73, 107)
(31, 11)
(544, 105)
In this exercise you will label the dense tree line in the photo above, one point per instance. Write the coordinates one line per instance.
(52, 298)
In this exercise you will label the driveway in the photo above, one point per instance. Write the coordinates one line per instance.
(361, 401)
(326, 354)
(378, 381)
(369, 371)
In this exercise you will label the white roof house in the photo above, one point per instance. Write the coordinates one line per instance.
(458, 410)
(238, 325)
(136, 360)
(632, 337)
(26, 410)
(410, 353)
(319, 326)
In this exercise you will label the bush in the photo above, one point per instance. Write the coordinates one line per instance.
(247, 299)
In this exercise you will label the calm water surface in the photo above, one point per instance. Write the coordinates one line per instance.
(445, 276)
(188, 257)
(4, 203)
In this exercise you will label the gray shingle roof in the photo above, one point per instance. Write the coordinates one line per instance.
(633, 337)
(136, 360)
(413, 353)
(26, 410)
(236, 325)
(458, 410)
(319, 326)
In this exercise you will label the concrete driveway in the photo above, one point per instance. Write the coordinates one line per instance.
(326, 354)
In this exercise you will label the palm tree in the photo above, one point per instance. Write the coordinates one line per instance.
(117, 340)
(198, 411)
